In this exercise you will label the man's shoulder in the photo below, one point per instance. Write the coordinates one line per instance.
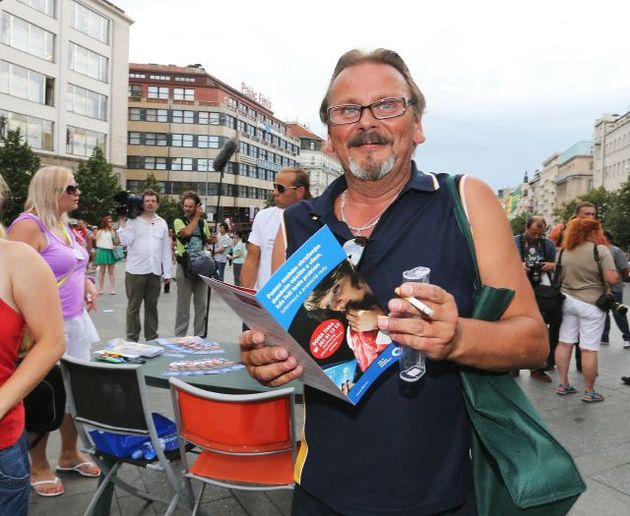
(267, 214)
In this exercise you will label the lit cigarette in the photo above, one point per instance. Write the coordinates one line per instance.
(416, 303)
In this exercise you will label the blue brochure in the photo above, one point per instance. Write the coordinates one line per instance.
(321, 309)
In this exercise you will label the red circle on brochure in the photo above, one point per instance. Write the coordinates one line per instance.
(327, 338)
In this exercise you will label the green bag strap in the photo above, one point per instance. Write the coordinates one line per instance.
(453, 183)
(489, 302)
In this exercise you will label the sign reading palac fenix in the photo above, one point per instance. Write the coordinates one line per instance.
(250, 92)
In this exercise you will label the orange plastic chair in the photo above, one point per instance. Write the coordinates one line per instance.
(244, 441)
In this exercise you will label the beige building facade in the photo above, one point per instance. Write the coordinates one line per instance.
(543, 189)
(611, 142)
(575, 172)
(181, 117)
(63, 77)
(323, 168)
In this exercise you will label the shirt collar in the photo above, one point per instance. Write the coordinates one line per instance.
(418, 181)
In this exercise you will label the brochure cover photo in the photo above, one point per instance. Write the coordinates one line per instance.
(319, 307)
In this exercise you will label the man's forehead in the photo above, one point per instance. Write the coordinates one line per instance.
(369, 81)
(286, 177)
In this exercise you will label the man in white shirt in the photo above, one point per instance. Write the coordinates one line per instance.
(148, 258)
(291, 186)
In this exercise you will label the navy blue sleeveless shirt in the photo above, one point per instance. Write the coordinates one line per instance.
(401, 450)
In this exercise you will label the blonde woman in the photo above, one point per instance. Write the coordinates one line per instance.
(52, 194)
(39, 309)
(105, 238)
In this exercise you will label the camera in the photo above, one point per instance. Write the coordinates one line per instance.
(534, 264)
(129, 204)
(607, 302)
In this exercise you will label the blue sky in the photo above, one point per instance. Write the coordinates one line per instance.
(507, 84)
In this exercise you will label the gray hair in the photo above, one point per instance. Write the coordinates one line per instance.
(378, 56)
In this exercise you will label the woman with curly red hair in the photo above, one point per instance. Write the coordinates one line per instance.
(581, 283)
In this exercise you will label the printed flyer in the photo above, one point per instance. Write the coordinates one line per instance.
(319, 307)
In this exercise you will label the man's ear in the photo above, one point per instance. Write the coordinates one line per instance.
(329, 146)
(418, 134)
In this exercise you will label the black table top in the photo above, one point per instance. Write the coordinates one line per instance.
(232, 382)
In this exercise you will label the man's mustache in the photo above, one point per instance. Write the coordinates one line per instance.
(368, 138)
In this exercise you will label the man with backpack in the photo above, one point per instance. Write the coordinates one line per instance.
(192, 233)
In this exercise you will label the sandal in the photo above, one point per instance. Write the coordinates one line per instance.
(41, 483)
(592, 397)
(85, 469)
(563, 389)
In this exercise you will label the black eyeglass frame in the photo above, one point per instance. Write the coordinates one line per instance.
(407, 103)
(72, 189)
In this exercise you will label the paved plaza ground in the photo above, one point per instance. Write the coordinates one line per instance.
(597, 435)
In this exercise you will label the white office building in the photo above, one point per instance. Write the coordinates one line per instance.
(63, 78)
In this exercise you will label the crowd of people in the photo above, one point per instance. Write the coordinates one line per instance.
(577, 275)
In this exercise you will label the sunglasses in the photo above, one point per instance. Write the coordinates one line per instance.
(72, 189)
(354, 249)
(282, 188)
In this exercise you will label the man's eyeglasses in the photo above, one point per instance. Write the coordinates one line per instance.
(282, 188)
(72, 189)
(382, 109)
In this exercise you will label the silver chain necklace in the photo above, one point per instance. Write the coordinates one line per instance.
(356, 230)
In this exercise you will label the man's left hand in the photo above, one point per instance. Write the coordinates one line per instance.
(405, 324)
(547, 266)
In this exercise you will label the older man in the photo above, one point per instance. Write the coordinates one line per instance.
(400, 452)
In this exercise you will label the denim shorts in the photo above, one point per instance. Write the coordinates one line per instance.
(14, 479)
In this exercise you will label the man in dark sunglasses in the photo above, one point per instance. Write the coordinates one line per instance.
(401, 450)
(291, 185)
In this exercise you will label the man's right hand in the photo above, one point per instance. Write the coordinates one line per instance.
(270, 365)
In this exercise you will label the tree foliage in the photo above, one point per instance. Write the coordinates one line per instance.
(518, 223)
(169, 209)
(18, 163)
(618, 219)
(98, 185)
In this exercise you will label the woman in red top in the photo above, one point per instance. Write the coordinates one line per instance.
(28, 298)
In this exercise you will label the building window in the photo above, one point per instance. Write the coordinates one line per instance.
(157, 92)
(206, 118)
(87, 62)
(182, 140)
(184, 79)
(183, 116)
(157, 77)
(181, 163)
(86, 102)
(82, 142)
(135, 90)
(155, 163)
(89, 22)
(156, 139)
(134, 75)
(205, 164)
(37, 133)
(156, 115)
(26, 84)
(26, 37)
(208, 142)
(45, 6)
(135, 113)
(133, 138)
(183, 94)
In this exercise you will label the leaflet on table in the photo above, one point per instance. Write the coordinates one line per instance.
(129, 349)
(320, 308)
(190, 345)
